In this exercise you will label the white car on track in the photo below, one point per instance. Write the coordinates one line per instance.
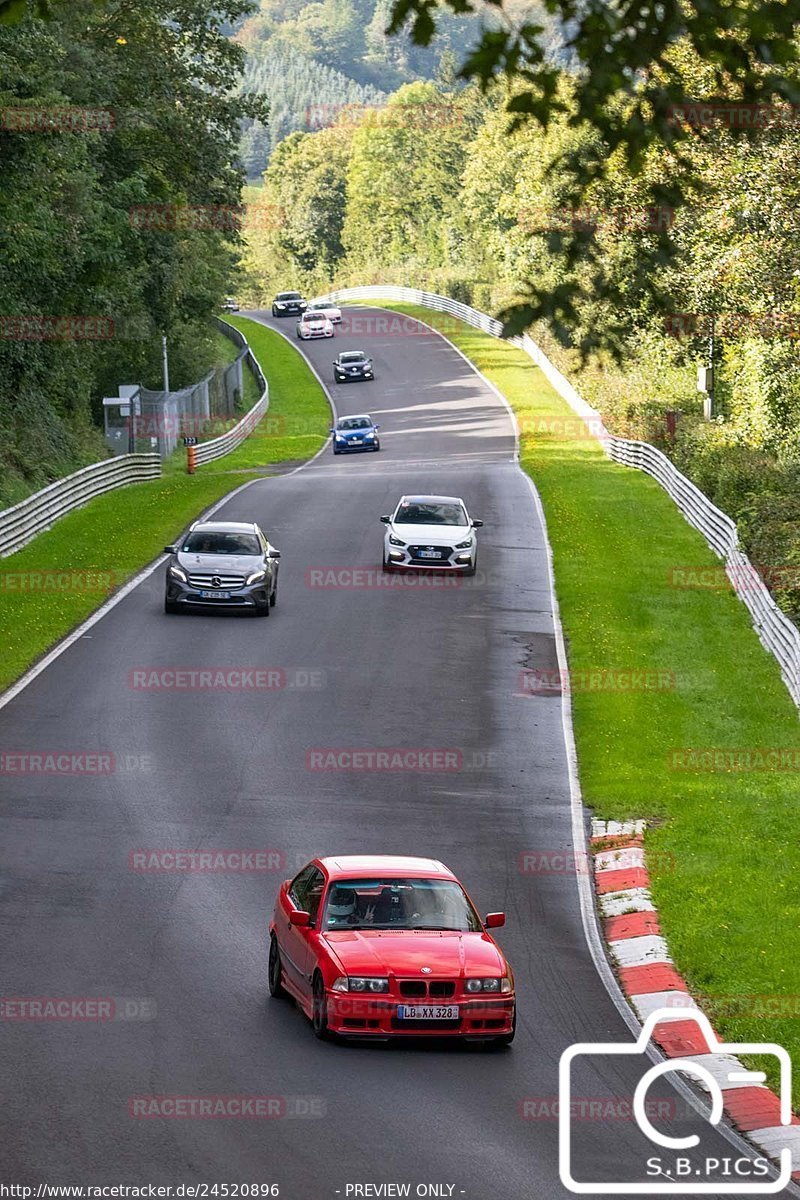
(427, 532)
(314, 325)
(329, 309)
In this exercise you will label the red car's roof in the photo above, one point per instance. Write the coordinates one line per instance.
(363, 865)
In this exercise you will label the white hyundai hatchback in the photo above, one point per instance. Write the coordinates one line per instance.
(431, 531)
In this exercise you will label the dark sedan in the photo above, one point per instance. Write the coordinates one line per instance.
(352, 364)
(288, 304)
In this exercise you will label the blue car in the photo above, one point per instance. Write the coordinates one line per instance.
(355, 433)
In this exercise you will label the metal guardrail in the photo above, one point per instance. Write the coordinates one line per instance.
(20, 524)
(777, 633)
(207, 452)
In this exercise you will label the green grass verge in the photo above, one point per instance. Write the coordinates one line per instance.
(298, 420)
(226, 353)
(51, 585)
(724, 850)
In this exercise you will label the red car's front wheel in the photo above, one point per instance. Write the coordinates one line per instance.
(319, 1014)
(276, 987)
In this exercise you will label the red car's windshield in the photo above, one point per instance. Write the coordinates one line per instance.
(399, 904)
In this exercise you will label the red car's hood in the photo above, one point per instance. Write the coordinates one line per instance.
(405, 952)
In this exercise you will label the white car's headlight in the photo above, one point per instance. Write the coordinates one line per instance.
(394, 541)
(464, 545)
(177, 573)
(257, 575)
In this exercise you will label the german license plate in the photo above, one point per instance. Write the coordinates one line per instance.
(216, 595)
(430, 554)
(428, 1012)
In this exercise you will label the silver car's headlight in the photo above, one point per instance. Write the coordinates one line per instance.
(257, 575)
(393, 541)
(177, 573)
(464, 545)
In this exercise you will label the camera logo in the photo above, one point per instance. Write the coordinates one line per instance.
(715, 1072)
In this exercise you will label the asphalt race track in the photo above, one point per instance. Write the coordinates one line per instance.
(368, 666)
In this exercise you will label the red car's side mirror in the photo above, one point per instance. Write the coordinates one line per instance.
(495, 920)
(298, 917)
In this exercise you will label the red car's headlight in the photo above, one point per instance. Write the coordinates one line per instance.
(368, 983)
(493, 984)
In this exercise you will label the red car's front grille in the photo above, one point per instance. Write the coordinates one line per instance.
(440, 988)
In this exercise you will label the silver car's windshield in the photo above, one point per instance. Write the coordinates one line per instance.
(200, 542)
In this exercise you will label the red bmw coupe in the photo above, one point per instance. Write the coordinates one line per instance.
(383, 946)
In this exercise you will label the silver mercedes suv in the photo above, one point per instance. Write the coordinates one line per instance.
(222, 564)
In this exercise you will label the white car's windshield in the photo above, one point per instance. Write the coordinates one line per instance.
(420, 512)
(435, 904)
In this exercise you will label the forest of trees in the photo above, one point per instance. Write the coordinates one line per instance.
(118, 213)
(433, 191)
(311, 58)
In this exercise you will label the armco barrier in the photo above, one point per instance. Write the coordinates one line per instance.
(18, 525)
(777, 633)
(207, 452)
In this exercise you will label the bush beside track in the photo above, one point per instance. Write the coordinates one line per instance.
(724, 852)
(56, 581)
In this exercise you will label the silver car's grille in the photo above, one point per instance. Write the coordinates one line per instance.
(209, 582)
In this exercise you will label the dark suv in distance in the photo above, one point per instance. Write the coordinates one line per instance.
(222, 564)
(288, 304)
